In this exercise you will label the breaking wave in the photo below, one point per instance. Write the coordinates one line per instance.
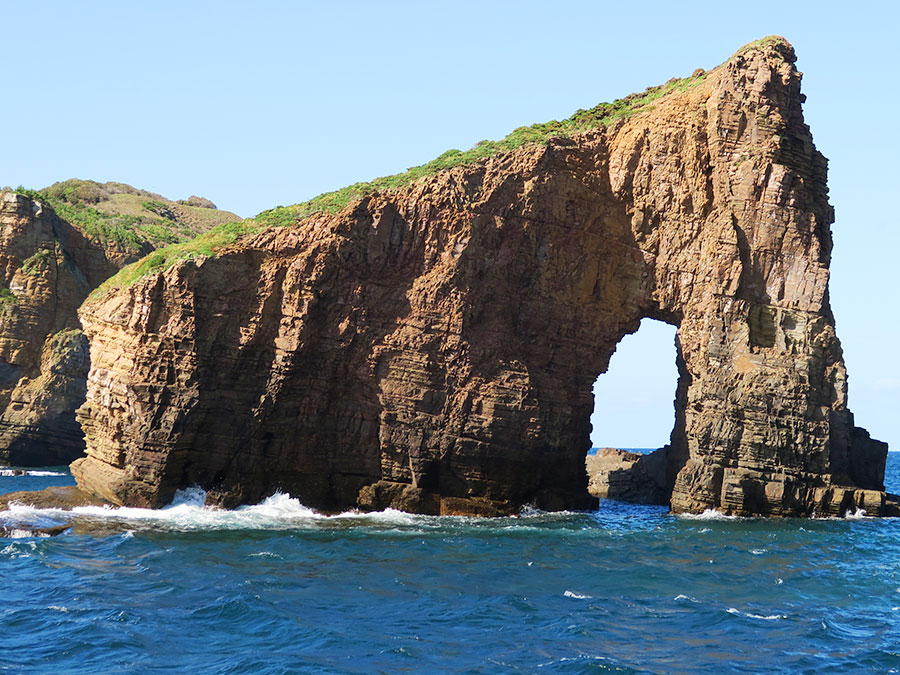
(760, 617)
(576, 596)
(29, 472)
(708, 514)
(188, 512)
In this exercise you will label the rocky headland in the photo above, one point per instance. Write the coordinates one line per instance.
(429, 341)
(56, 246)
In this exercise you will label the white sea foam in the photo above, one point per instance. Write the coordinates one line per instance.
(20, 472)
(577, 596)
(858, 514)
(280, 511)
(189, 512)
(58, 608)
(20, 549)
(708, 514)
(682, 596)
(770, 617)
(25, 534)
(386, 517)
(758, 551)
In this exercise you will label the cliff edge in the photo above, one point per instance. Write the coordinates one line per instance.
(56, 246)
(430, 342)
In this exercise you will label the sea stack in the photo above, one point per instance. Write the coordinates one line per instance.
(432, 346)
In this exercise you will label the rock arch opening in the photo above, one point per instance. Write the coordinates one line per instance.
(633, 399)
(637, 425)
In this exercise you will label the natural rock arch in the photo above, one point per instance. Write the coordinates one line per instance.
(434, 348)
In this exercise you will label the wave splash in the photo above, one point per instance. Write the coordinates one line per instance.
(760, 617)
(708, 514)
(188, 512)
(577, 596)
(27, 472)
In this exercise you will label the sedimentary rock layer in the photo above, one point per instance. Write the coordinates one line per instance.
(433, 348)
(629, 476)
(48, 265)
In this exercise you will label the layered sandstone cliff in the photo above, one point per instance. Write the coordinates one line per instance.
(56, 246)
(433, 347)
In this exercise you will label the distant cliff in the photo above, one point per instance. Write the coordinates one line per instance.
(56, 246)
(429, 341)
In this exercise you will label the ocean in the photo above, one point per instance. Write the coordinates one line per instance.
(278, 588)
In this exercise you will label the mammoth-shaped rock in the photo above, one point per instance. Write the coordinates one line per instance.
(433, 348)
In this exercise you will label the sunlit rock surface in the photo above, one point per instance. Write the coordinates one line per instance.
(433, 348)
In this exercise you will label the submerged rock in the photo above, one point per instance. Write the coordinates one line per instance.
(433, 347)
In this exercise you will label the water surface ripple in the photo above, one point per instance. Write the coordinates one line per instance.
(277, 588)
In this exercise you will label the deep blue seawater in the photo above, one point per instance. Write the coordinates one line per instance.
(276, 588)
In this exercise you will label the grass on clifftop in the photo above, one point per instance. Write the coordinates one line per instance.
(583, 120)
(123, 217)
(768, 41)
(205, 245)
(219, 237)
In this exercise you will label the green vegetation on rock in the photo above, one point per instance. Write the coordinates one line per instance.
(7, 298)
(768, 41)
(122, 231)
(205, 245)
(37, 263)
(125, 218)
(63, 339)
(583, 120)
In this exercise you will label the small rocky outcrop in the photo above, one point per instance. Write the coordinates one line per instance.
(629, 476)
(643, 479)
(66, 497)
(56, 246)
(433, 347)
(199, 202)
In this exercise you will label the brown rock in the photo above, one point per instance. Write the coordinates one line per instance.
(66, 498)
(434, 347)
(58, 497)
(629, 476)
(48, 266)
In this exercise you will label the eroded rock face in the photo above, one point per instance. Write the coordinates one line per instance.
(47, 268)
(43, 355)
(434, 348)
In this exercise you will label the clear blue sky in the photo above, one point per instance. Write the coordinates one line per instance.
(255, 106)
